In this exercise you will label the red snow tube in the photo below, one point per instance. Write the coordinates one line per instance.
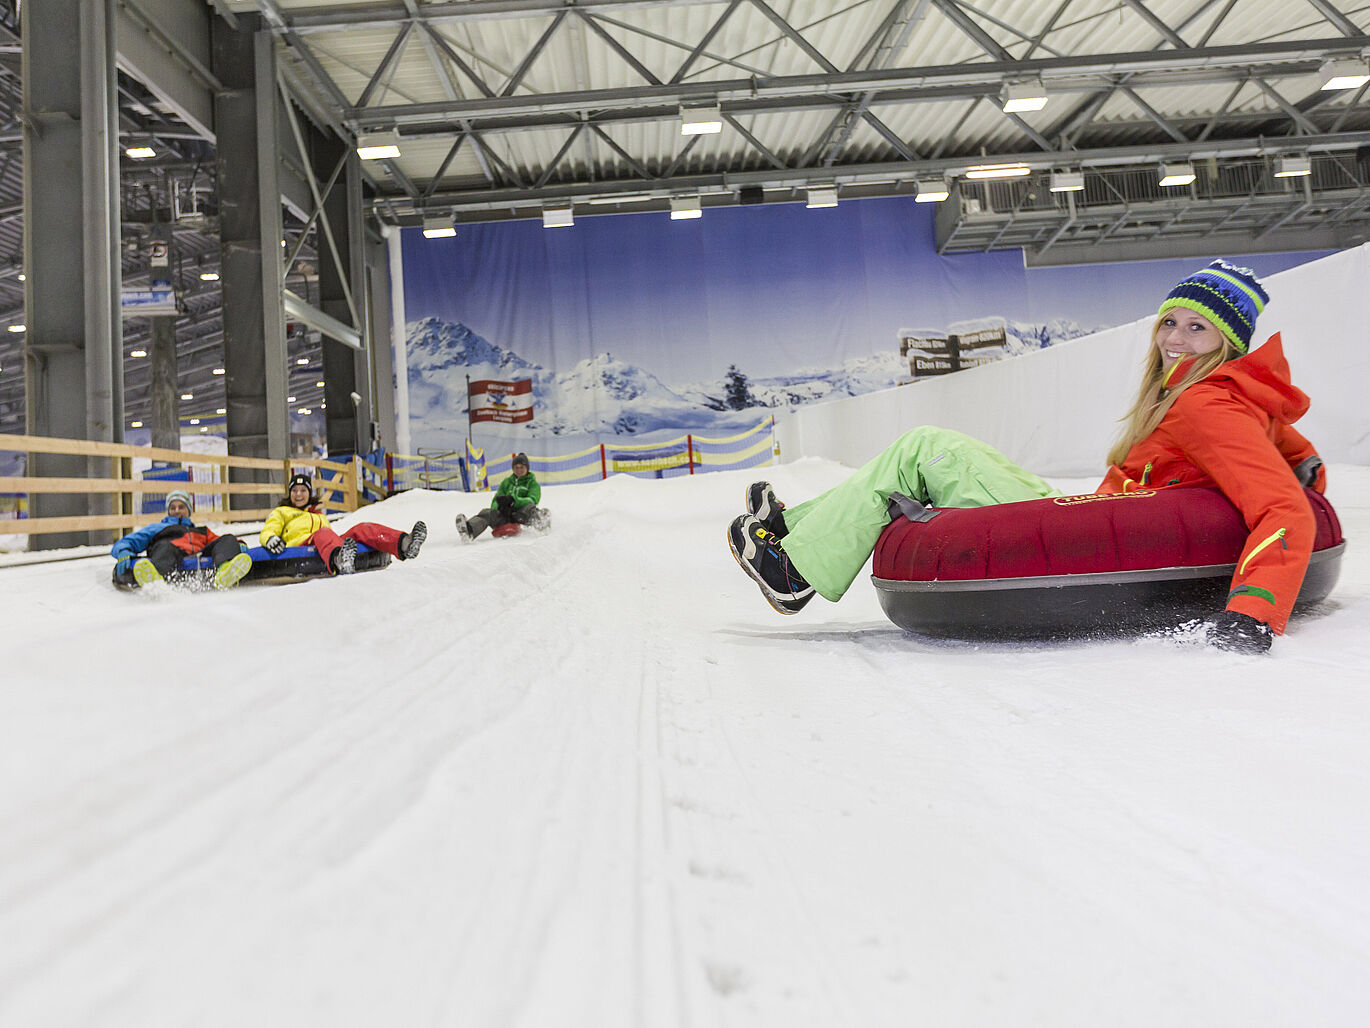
(1072, 565)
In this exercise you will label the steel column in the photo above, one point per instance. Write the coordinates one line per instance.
(70, 248)
(245, 116)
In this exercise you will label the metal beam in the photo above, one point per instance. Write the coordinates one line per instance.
(301, 310)
(328, 17)
(169, 53)
(1343, 24)
(1165, 67)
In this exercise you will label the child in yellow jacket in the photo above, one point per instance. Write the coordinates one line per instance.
(298, 522)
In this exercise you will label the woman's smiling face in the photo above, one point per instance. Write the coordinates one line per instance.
(1185, 333)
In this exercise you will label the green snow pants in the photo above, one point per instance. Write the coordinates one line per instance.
(831, 536)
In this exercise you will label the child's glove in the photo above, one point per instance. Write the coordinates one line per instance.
(124, 565)
(505, 504)
(275, 545)
(1239, 633)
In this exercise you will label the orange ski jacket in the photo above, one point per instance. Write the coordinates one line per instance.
(1234, 429)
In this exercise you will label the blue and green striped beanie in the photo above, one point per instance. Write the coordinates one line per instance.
(1229, 296)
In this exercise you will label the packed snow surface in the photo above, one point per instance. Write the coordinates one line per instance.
(592, 779)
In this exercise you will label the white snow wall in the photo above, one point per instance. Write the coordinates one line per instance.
(1056, 411)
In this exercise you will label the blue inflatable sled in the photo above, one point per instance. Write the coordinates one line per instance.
(291, 564)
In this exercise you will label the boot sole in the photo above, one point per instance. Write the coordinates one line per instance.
(231, 572)
(145, 572)
(781, 606)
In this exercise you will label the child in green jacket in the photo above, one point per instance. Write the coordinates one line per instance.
(516, 500)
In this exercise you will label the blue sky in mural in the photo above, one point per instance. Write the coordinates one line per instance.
(771, 288)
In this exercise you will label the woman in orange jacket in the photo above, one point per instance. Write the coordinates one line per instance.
(1208, 412)
(298, 522)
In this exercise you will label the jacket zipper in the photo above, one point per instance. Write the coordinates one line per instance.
(1283, 545)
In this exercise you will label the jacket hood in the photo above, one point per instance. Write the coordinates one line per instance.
(1262, 376)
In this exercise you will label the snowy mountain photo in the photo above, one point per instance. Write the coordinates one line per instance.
(606, 396)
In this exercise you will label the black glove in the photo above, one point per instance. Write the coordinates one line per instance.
(275, 545)
(505, 504)
(1239, 633)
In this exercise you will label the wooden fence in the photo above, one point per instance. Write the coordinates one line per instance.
(354, 483)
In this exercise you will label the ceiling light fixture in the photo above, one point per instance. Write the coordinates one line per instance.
(18, 328)
(438, 226)
(1176, 174)
(699, 121)
(1067, 181)
(998, 171)
(683, 207)
(558, 217)
(217, 371)
(1291, 167)
(1025, 95)
(187, 396)
(822, 196)
(1347, 73)
(378, 146)
(137, 353)
(135, 424)
(209, 276)
(931, 190)
(140, 151)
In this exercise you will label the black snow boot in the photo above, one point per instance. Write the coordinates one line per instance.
(412, 540)
(763, 505)
(758, 552)
(344, 558)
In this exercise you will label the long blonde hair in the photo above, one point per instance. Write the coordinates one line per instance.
(1155, 398)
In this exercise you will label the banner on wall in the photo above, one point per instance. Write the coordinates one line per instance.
(475, 466)
(509, 403)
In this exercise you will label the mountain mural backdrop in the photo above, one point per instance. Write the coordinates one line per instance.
(604, 397)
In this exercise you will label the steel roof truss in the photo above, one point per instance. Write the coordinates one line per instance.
(1343, 24)
(517, 77)
(620, 49)
(386, 68)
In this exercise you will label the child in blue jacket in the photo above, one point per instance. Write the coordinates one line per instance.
(168, 541)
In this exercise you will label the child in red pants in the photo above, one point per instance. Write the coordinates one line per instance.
(298, 522)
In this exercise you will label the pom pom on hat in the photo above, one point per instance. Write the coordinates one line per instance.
(1229, 296)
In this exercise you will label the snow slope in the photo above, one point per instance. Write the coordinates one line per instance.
(592, 779)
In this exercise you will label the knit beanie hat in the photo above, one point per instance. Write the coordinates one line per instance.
(183, 496)
(299, 478)
(1229, 296)
(519, 458)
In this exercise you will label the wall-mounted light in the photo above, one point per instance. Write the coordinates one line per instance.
(1292, 167)
(998, 171)
(1176, 174)
(1025, 95)
(438, 226)
(822, 196)
(378, 146)
(683, 207)
(1067, 181)
(1347, 73)
(698, 121)
(931, 190)
(558, 217)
